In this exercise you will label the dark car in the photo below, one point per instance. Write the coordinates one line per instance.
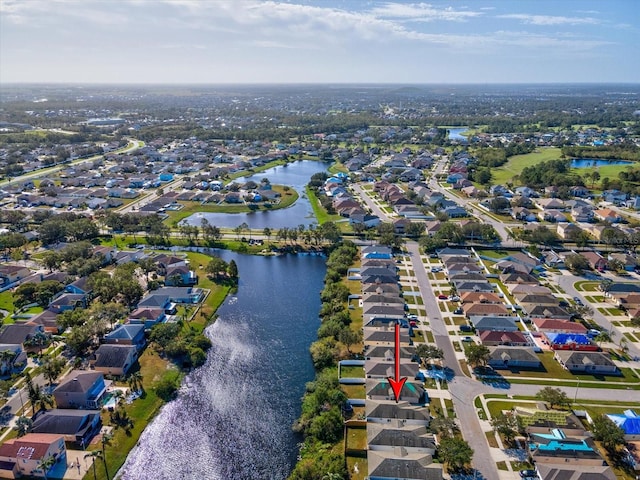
(442, 297)
(528, 473)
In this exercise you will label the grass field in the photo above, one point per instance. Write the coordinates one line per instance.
(516, 164)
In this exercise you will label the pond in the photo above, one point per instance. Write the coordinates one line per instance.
(456, 134)
(596, 162)
(295, 175)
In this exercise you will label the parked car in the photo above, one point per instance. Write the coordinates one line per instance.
(413, 323)
(458, 311)
(528, 473)
(436, 269)
(577, 300)
(467, 339)
(466, 328)
(442, 297)
(454, 298)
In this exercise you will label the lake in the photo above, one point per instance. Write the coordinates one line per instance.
(295, 175)
(233, 416)
(596, 162)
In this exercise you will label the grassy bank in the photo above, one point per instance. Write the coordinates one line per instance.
(154, 369)
(517, 163)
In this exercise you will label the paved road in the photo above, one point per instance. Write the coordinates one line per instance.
(463, 390)
(370, 203)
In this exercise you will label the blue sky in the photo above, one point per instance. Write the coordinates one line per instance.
(319, 41)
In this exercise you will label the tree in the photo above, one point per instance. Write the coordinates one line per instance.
(350, 337)
(576, 263)
(427, 352)
(135, 381)
(267, 233)
(23, 426)
(216, 267)
(232, 270)
(105, 440)
(94, 455)
(507, 425)
(52, 368)
(455, 452)
(478, 355)
(554, 397)
(606, 431)
(45, 465)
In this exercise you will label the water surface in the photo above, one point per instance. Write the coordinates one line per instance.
(233, 417)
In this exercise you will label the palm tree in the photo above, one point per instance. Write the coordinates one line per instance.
(94, 454)
(46, 463)
(106, 440)
(135, 381)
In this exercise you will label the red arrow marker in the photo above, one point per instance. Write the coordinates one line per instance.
(397, 383)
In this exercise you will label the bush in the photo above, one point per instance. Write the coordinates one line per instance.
(168, 386)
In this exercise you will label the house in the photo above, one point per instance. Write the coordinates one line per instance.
(68, 301)
(504, 324)
(513, 357)
(384, 411)
(79, 287)
(114, 359)
(23, 334)
(180, 275)
(553, 325)
(387, 437)
(380, 389)
(569, 341)
(607, 215)
(629, 422)
(400, 464)
(495, 338)
(574, 471)
(586, 362)
(485, 309)
(129, 334)
(614, 196)
(380, 368)
(376, 251)
(15, 361)
(596, 261)
(568, 231)
(629, 262)
(77, 426)
(10, 274)
(479, 297)
(148, 316)
(48, 319)
(555, 447)
(22, 457)
(519, 278)
(81, 389)
(548, 311)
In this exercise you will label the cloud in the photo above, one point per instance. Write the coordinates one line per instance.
(546, 20)
(421, 12)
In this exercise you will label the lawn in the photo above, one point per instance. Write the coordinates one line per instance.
(516, 164)
(6, 301)
(320, 213)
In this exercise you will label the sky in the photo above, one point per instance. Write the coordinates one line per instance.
(319, 41)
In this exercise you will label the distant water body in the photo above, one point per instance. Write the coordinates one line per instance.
(596, 162)
(297, 176)
(232, 419)
(456, 134)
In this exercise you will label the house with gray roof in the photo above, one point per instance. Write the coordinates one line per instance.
(383, 411)
(502, 357)
(586, 362)
(114, 359)
(81, 389)
(385, 437)
(380, 389)
(400, 464)
(504, 324)
(381, 368)
(77, 426)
